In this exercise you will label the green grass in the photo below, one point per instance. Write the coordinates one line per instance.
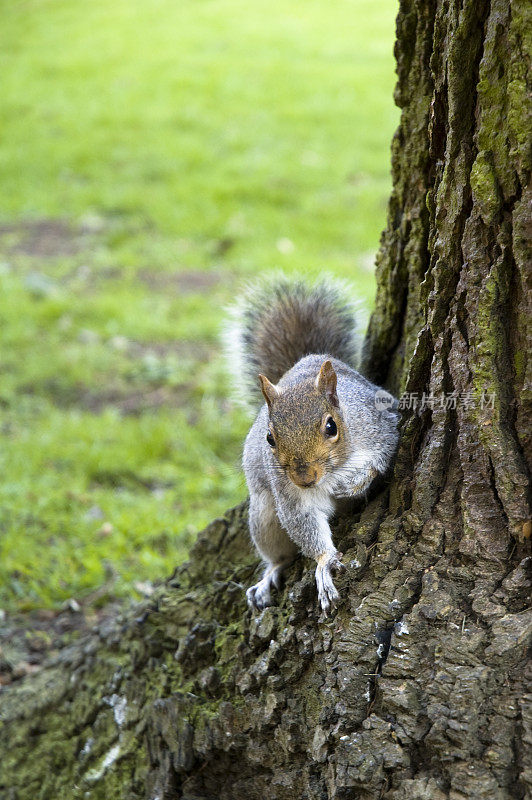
(153, 155)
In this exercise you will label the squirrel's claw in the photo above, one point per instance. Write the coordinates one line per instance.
(335, 564)
(328, 599)
(328, 595)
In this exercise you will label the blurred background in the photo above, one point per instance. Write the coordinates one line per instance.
(154, 156)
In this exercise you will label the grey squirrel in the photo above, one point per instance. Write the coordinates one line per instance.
(324, 433)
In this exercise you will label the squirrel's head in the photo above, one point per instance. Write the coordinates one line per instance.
(306, 431)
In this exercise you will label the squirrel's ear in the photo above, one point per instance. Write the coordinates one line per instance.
(268, 390)
(326, 382)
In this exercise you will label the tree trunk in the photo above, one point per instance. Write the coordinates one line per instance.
(415, 689)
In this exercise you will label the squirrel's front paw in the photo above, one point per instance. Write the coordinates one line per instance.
(258, 596)
(329, 564)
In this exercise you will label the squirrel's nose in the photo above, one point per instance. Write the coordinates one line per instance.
(304, 476)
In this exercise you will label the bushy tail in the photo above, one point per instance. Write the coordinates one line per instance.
(280, 320)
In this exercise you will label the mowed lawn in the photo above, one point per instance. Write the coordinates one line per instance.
(153, 156)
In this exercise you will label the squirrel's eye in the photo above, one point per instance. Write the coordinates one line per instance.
(270, 439)
(330, 427)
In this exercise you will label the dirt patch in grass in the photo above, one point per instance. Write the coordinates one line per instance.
(128, 479)
(199, 351)
(184, 281)
(135, 403)
(131, 399)
(42, 238)
(127, 400)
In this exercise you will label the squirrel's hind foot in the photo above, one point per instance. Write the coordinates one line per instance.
(329, 564)
(259, 595)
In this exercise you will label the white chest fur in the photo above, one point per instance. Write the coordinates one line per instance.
(315, 498)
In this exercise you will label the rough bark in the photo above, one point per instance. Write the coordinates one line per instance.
(417, 688)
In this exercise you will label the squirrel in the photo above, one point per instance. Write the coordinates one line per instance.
(323, 434)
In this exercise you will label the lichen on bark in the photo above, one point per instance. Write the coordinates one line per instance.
(417, 688)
